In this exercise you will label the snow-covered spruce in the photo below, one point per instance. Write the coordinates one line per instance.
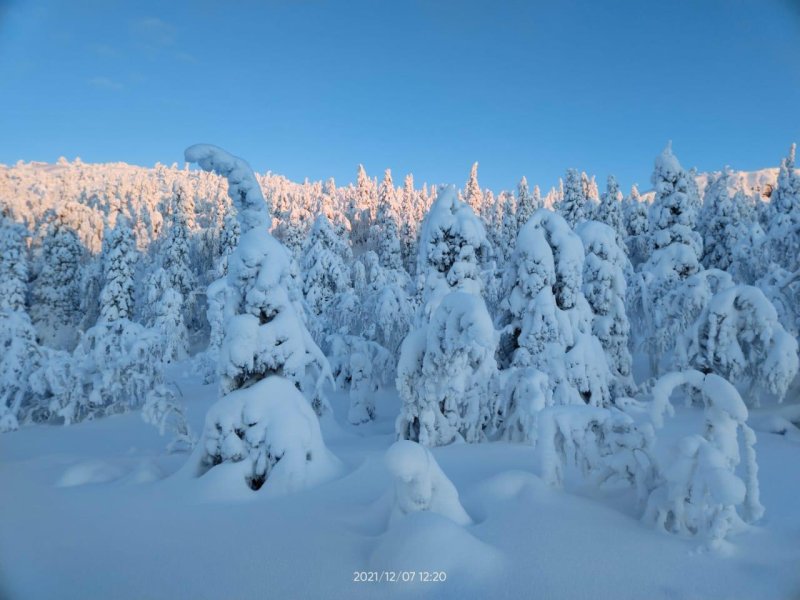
(386, 309)
(56, 288)
(166, 307)
(21, 354)
(266, 332)
(446, 372)
(609, 211)
(325, 274)
(384, 234)
(360, 366)
(784, 216)
(605, 289)
(738, 336)
(573, 206)
(421, 485)
(453, 249)
(675, 250)
(699, 492)
(264, 435)
(637, 228)
(116, 297)
(548, 317)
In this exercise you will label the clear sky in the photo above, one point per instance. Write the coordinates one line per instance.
(311, 88)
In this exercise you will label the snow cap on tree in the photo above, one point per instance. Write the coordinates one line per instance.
(243, 187)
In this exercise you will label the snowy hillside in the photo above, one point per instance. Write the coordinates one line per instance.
(217, 384)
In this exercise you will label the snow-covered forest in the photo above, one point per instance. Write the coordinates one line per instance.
(390, 377)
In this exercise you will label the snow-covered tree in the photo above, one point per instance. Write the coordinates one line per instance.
(265, 333)
(700, 492)
(674, 259)
(453, 249)
(637, 236)
(573, 204)
(738, 336)
(605, 443)
(176, 258)
(166, 305)
(527, 203)
(473, 196)
(605, 289)
(116, 297)
(673, 213)
(227, 242)
(361, 209)
(13, 265)
(445, 373)
(386, 310)
(359, 366)
(57, 286)
(325, 274)
(265, 433)
(549, 321)
(508, 227)
(609, 211)
(784, 219)
(384, 234)
(20, 354)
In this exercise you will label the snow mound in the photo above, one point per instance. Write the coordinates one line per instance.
(94, 471)
(421, 485)
(428, 542)
(265, 434)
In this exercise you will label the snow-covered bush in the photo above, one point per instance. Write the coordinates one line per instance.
(445, 373)
(522, 392)
(738, 336)
(699, 492)
(265, 434)
(605, 443)
(421, 485)
(163, 410)
(266, 332)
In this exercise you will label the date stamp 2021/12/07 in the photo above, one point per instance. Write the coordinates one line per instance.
(399, 576)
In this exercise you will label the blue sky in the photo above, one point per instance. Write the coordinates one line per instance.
(310, 88)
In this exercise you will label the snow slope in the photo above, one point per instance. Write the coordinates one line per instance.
(92, 511)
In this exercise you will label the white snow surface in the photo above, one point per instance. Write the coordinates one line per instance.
(100, 510)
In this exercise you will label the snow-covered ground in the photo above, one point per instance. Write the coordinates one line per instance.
(100, 510)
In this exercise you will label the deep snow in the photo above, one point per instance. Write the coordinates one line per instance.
(100, 510)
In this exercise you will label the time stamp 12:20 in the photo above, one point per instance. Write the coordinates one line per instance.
(399, 576)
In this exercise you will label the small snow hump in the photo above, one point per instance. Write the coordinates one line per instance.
(421, 485)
